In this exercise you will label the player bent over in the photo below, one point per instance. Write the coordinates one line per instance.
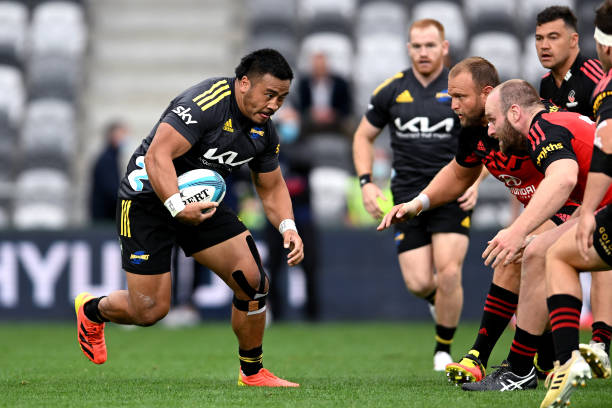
(218, 124)
(586, 247)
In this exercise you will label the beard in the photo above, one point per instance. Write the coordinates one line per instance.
(511, 141)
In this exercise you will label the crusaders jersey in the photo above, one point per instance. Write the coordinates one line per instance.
(221, 137)
(602, 98)
(577, 86)
(518, 173)
(564, 135)
(423, 128)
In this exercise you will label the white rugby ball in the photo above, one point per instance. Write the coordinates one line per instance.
(201, 185)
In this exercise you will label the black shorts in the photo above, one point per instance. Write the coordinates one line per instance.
(564, 213)
(602, 237)
(147, 233)
(416, 232)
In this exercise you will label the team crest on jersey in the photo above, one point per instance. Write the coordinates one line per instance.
(571, 99)
(443, 96)
(256, 132)
(404, 97)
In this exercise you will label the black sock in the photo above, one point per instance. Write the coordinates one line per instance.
(546, 352)
(565, 320)
(498, 311)
(251, 360)
(444, 338)
(431, 298)
(91, 310)
(601, 334)
(524, 347)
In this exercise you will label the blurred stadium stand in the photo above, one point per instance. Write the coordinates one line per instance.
(68, 67)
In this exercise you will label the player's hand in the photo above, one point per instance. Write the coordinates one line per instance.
(369, 194)
(293, 242)
(584, 233)
(195, 213)
(504, 248)
(400, 213)
(468, 200)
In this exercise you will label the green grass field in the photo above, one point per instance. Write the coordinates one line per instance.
(338, 365)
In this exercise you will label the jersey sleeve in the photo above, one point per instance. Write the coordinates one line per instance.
(189, 119)
(556, 144)
(268, 159)
(380, 103)
(466, 155)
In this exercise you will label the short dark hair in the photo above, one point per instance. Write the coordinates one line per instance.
(264, 61)
(603, 17)
(483, 72)
(520, 92)
(553, 13)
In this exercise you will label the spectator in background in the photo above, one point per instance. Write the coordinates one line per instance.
(572, 77)
(106, 175)
(324, 99)
(296, 164)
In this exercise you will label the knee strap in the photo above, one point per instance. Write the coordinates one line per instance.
(255, 294)
(250, 306)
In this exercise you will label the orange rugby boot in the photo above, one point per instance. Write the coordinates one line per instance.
(90, 335)
(263, 378)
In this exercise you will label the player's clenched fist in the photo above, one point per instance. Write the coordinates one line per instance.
(400, 213)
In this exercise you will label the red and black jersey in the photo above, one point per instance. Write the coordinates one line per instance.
(602, 98)
(518, 173)
(575, 91)
(564, 135)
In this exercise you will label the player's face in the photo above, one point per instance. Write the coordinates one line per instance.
(467, 101)
(554, 42)
(427, 50)
(510, 140)
(604, 54)
(263, 96)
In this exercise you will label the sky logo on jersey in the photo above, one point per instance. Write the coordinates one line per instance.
(184, 114)
(256, 132)
(443, 96)
(139, 257)
(404, 97)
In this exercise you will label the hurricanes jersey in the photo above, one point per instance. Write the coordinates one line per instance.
(424, 129)
(602, 98)
(577, 86)
(564, 135)
(221, 137)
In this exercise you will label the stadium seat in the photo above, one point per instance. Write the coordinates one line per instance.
(49, 127)
(12, 93)
(586, 26)
(529, 9)
(328, 22)
(493, 22)
(329, 186)
(329, 150)
(531, 68)
(284, 9)
(382, 16)
(54, 76)
(448, 13)
(58, 27)
(502, 49)
(309, 8)
(13, 32)
(337, 47)
(286, 45)
(37, 215)
(476, 9)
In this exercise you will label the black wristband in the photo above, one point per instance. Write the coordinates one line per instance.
(365, 179)
(601, 162)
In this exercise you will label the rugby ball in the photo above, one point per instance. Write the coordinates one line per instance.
(201, 185)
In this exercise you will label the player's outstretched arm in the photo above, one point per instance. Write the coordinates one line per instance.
(167, 145)
(276, 201)
(363, 152)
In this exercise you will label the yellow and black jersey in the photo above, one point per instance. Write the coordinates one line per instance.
(602, 98)
(575, 91)
(423, 127)
(221, 137)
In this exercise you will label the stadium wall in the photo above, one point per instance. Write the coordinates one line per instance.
(359, 278)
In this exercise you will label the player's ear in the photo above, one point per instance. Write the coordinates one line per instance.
(574, 39)
(445, 47)
(244, 83)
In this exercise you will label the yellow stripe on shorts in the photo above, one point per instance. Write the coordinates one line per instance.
(125, 219)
